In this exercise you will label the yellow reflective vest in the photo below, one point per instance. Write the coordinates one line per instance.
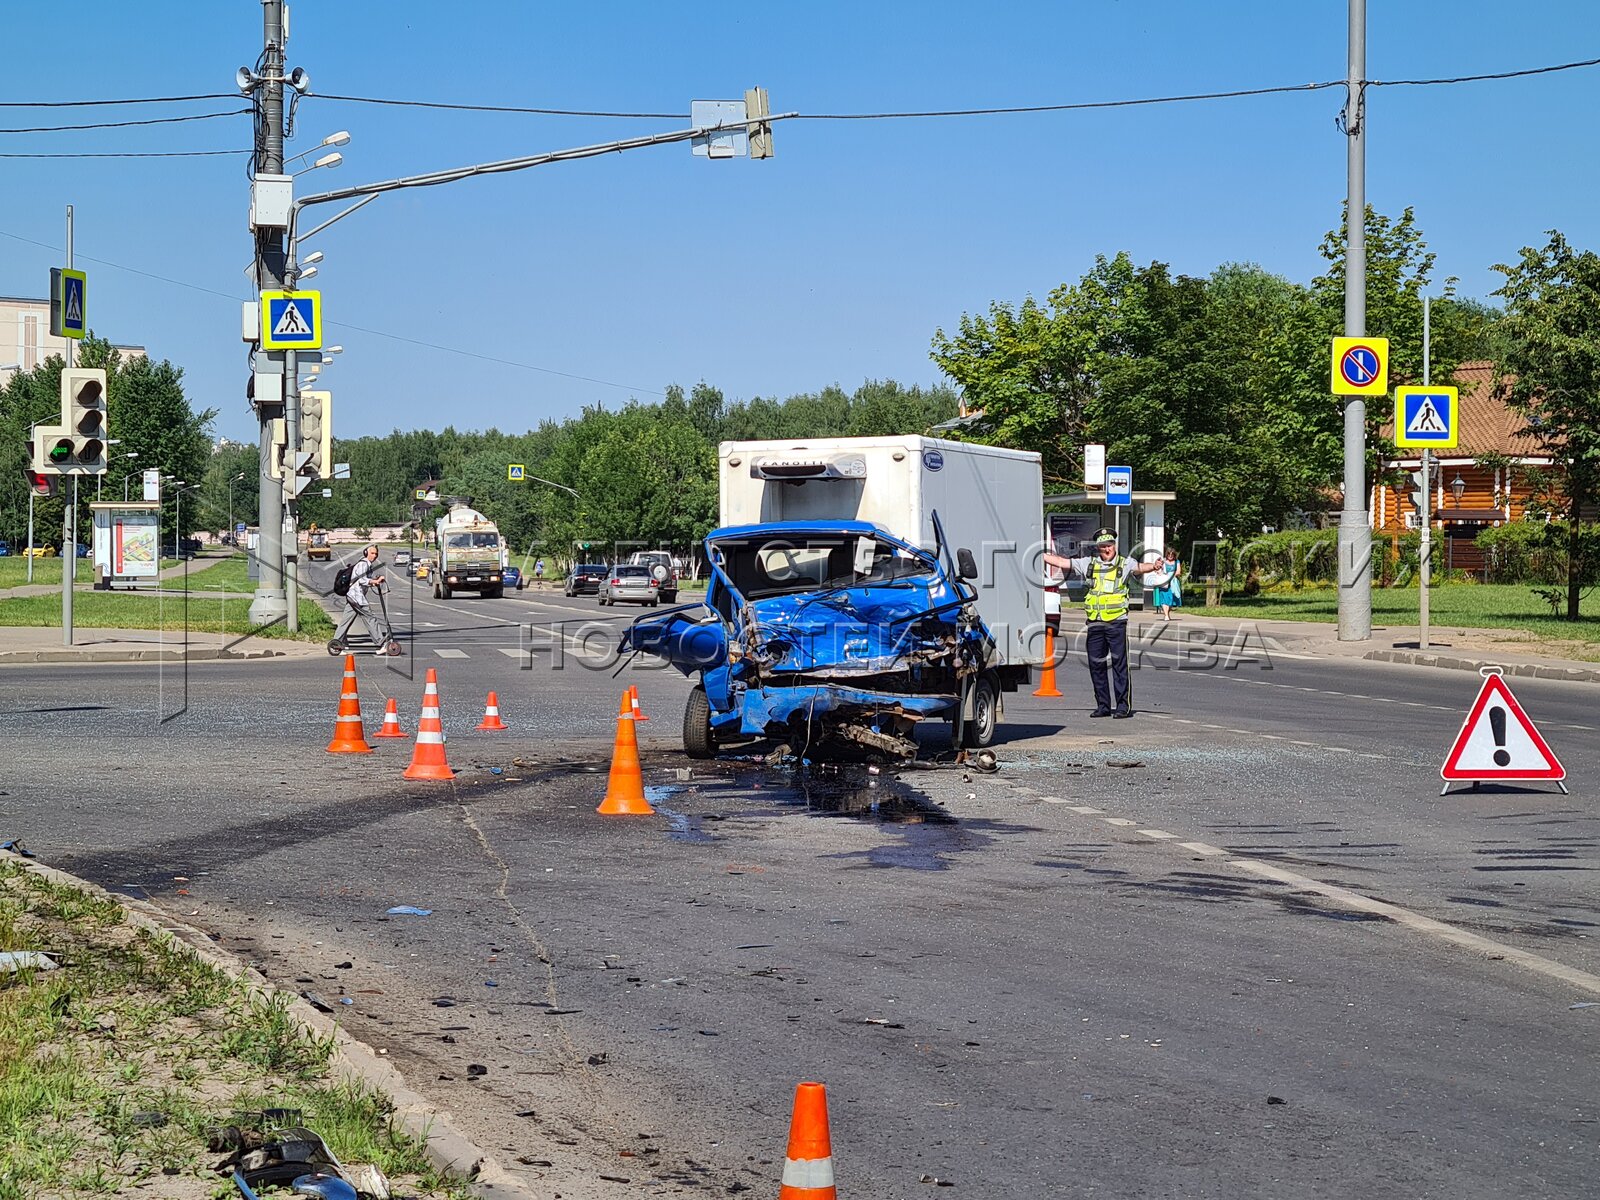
(1107, 598)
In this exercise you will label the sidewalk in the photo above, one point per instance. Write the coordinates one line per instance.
(1450, 647)
(42, 644)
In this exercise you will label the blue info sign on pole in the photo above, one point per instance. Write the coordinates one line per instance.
(1119, 485)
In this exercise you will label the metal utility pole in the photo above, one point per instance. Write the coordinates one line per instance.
(1355, 532)
(69, 536)
(1425, 550)
(270, 603)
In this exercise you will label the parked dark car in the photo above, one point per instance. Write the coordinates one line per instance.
(189, 547)
(5, 549)
(586, 578)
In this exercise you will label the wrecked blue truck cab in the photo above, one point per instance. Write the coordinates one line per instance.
(835, 636)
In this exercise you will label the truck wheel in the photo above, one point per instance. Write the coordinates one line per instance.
(494, 593)
(444, 591)
(698, 740)
(979, 731)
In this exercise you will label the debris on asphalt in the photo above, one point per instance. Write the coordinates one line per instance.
(407, 910)
(316, 1002)
(883, 1021)
(476, 1070)
(599, 1060)
(344, 966)
(529, 1160)
(445, 1002)
(1124, 763)
(936, 1181)
(1276, 1100)
(1584, 1004)
(26, 960)
(16, 847)
(147, 1120)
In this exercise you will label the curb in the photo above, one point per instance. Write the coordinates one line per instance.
(448, 1150)
(132, 656)
(1422, 658)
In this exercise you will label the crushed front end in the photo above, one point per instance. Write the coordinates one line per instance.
(836, 637)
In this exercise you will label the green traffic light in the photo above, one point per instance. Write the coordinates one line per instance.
(61, 452)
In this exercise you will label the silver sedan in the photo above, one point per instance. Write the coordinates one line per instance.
(634, 584)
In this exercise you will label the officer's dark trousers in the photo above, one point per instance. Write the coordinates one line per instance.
(1108, 655)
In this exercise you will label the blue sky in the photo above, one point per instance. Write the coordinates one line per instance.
(832, 262)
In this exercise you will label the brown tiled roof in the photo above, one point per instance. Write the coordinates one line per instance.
(1487, 425)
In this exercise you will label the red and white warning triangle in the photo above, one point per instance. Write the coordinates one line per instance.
(1498, 741)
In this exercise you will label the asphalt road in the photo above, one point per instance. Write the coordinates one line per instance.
(1098, 972)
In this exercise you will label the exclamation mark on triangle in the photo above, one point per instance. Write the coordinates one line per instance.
(1497, 726)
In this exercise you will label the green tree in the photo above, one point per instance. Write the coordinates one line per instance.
(1550, 375)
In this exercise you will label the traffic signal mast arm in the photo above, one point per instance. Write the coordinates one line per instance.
(757, 123)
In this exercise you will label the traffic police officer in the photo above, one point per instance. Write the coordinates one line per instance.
(1105, 610)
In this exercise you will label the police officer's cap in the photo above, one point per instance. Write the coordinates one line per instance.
(1105, 537)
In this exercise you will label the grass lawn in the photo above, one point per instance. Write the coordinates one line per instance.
(228, 574)
(124, 610)
(1463, 605)
(114, 1064)
(14, 570)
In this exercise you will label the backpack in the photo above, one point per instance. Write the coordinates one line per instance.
(341, 581)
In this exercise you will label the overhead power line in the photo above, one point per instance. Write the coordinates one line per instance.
(110, 103)
(138, 154)
(232, 112)
(456, 106)
(395, 337)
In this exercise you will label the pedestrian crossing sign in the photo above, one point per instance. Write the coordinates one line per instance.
(1427, 417)
(68, 303)
(291, 320)
(516, 472)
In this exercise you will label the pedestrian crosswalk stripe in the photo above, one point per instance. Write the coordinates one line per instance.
(511, 652)
(451, 653)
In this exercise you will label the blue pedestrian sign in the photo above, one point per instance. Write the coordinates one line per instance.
(69, 303)
(1119, 486)
(1427, 417)
(516, 472)
(291, 320)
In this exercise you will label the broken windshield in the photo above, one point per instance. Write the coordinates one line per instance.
(779, 566)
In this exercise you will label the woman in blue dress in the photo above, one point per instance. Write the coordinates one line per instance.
(1169, 595)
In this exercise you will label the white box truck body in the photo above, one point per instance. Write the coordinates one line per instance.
(989, 500)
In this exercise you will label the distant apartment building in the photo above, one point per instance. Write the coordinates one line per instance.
(25, 339)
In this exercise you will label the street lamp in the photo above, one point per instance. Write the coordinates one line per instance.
(1458, 487)
(231, 482)
(99, 482)
(177, 515)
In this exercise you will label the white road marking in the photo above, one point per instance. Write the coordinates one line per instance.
(451, 653)
(1085, 809)
(1485, 948)
(1425, 925)
(511, 652)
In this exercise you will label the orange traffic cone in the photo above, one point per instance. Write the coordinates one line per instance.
(391, 722)
(1047, 677)
(808, 1165)
(625, 788)
(633, 700)
(427, 756)
(491, 714)
(348, 737)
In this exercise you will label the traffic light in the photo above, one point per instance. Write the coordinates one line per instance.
(40, 483)
(1419, 488)
(78, 445)
(316, 434)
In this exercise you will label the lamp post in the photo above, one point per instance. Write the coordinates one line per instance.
(101, 479)
(231, 482)
(1458, 487)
